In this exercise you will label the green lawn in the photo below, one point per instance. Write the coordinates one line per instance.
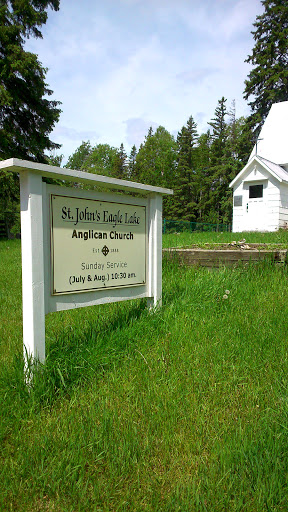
(181, 410)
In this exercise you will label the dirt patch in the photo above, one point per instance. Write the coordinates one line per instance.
(216, 255)
(236, 246)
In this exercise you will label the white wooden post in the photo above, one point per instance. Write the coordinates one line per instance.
(155, 251)
(32, 265)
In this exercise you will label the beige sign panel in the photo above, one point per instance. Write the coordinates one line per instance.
(96, 244)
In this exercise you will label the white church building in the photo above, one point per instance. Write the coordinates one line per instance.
(260, 190)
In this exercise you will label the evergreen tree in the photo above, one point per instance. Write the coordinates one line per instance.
(229, 152)
(204, 176)
(244, 138)
(149, 134)
(218, 134)
(120, 169)
(218, 165)
(237, 150)
(198, 168)
(27, 116)
(132, 173)
(267, 82)
(186, 189)
(9, 199)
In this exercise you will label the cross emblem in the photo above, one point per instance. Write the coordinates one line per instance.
(105, 250)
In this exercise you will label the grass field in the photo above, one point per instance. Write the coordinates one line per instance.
(186, 238)
(181, 410)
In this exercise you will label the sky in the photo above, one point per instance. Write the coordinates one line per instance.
(121, 66)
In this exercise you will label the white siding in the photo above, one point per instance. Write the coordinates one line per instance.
(283, 215)
(273, 204)
(238, 210)
(261, 213)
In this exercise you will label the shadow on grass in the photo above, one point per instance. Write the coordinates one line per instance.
(79, 353)
(83, 353)
(75, 356)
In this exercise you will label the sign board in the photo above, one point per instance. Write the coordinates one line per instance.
(237, 200)
(96, 244)
(83, 247)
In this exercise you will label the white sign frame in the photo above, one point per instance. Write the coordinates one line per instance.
(35, 245)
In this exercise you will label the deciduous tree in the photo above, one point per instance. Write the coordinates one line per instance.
(155, 160)
(78, 158)
(155, 163)
(101, 160)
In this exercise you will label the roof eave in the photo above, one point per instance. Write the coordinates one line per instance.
(240, 174)
(260, 161)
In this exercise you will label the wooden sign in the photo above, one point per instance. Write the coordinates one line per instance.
(96, 244)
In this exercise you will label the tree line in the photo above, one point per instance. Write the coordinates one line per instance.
(199, 167)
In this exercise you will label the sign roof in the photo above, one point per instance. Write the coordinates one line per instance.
(50, 171)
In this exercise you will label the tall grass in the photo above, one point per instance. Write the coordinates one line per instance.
(180, 410)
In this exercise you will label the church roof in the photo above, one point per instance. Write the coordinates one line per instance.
(271, 150)
(272, 144)
(278, 171)
(274, 169)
